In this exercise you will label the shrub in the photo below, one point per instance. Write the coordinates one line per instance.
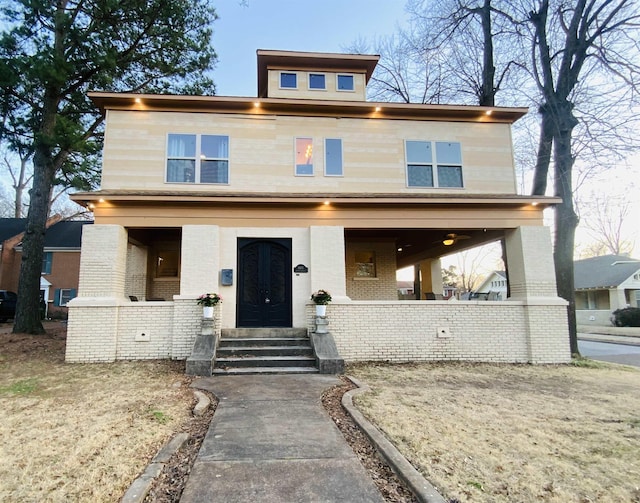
(626, 317)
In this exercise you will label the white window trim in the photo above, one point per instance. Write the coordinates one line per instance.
(295, 164)
(341, 158)
(309, 74)
(353, 77)
(197, 160)
(287, 72)
(433, 164)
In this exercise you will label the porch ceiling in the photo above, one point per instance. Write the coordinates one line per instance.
(414, 245)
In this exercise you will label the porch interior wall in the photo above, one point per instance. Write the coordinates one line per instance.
(384, 285)
(136, 278)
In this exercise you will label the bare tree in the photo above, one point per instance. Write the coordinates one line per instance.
(572, 42)
(605, 218)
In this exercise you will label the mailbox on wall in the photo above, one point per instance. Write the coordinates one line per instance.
(226, 277)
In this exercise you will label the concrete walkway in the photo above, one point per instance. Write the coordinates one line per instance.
(272, 441)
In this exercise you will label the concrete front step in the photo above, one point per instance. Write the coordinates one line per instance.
(249, 351)
(252, 333)
(264, 341)
(265, 370)
(266, 361)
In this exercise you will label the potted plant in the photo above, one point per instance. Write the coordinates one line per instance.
(208, 301)
(321, 298)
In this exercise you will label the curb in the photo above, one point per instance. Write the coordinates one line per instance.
(141, 486)
(419, 486)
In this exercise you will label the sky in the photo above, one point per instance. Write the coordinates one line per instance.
(292, 25)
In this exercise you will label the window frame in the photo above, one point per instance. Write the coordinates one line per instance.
(324, 81)
(288, 72)
(434, 165)
(198, 158)
(295, 156)
(353, 82)
(326, 160)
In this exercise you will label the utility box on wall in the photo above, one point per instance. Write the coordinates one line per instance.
(226, 277)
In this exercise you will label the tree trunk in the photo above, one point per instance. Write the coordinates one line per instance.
(488, 92)
(543, 160)
(566, 220)
(27, 318)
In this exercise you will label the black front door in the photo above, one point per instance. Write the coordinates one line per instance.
(264, 282)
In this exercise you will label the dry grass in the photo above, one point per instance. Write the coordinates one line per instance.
(503, 433)
(81, 432)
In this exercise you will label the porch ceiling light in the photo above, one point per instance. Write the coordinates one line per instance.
(327, 203)
(448, 241)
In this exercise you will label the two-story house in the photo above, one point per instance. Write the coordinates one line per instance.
(306, 186)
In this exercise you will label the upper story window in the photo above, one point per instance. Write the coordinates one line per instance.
(345, 83)
(333, 157)
(47, 260)
(317, 81)
(304, 156)
(424, 169)
(288, 80)
(193, 158)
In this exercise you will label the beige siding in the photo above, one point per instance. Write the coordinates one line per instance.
(330, 93)
(262, 152)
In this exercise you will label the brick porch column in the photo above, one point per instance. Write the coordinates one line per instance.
(532, 280)
(93, 315)
(327, 268)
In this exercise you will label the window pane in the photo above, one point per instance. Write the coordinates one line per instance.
(181, 145)
(419, 151)
(214, 172)
(449, 176)
(304, 156)
(333, 156)
(181, 170)
(288, 80)
(215, 147)
(345, 83)
(420, 176)
(316, 81)
(448, 153)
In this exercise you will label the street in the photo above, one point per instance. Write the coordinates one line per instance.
(616, 353)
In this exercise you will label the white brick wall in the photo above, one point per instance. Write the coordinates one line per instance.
(479, 331)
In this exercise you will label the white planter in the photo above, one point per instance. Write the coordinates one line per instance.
(207, 311)
(321, 310)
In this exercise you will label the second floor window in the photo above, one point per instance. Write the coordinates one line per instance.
(47, 260)
(288, 80)
(304, 156)
(333, 157)
(424, 169)
(195, 158)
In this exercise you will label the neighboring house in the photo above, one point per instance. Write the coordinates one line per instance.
(494, 287)
(307, 186)
(60, 264)
(604, 284)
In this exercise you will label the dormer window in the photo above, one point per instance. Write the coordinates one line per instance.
(288, 80)
(345, 83)
(317, 81)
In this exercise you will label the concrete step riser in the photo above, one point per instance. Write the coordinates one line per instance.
(260, 362)
(267, 371)
(276, 351)
(275, 341)
(229, 333)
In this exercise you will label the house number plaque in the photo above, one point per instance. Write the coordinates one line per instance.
(300, 268)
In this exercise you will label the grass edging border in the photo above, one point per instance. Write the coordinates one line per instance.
(422, 489)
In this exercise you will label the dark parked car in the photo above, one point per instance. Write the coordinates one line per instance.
(7, 305)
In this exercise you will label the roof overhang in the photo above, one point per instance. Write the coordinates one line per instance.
(304, 107)
(199, 197)
(353, 63)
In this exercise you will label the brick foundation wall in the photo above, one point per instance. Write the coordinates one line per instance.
(478, 331)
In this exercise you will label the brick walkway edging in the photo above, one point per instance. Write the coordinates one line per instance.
(418, 485)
